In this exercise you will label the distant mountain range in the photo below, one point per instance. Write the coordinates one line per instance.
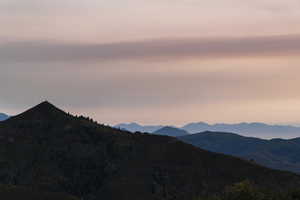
(171, 131)
(3, 116)
(275, 153)
(247, 129)
(260, 130)
(135, 127)
(48, 150)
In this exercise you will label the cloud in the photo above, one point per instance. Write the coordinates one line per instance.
(165, 49)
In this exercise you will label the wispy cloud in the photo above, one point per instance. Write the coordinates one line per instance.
(153, 49)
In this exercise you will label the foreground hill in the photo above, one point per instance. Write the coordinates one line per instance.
(171, 131)
(276, 153)
(3, 116)
(49, 150)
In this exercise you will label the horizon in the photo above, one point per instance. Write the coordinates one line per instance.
(218, 123)
(160, 124)
(157, 123)
(235, 128)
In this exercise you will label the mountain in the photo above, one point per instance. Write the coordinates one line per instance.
(3, 116)
(247, 129)
(255, 129)
(275, 153)
(134, 127)
(45, 149)
(171, 131)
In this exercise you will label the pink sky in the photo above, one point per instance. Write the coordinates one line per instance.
(160, 61)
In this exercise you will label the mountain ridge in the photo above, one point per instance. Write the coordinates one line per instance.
(283, 154)
(52, 151)
(254, 129)
(135, 127)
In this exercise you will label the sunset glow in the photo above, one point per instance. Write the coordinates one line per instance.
(159, 61)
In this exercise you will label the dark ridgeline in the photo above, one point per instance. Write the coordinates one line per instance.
(46, 149)
(275, 153)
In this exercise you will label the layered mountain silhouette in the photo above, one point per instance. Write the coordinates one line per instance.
(247, 129)
(135, 127)
(48, 150)
(260, 130)
(275, 153)
(3, 116)
(171, 131)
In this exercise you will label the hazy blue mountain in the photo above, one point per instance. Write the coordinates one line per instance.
(171, 131)
(255, 129)
(247, 129)
(275, 153)
(134, 127)
(3, 116)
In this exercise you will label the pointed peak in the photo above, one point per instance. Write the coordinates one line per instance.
(42, 111)
(45, 105)
(46, 102)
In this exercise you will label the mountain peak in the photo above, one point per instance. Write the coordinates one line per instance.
(45, 105)
(42, 111)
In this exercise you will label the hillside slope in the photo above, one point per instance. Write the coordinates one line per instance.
(52, 151)
(276, 153)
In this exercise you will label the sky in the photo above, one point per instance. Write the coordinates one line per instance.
(153, 62)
